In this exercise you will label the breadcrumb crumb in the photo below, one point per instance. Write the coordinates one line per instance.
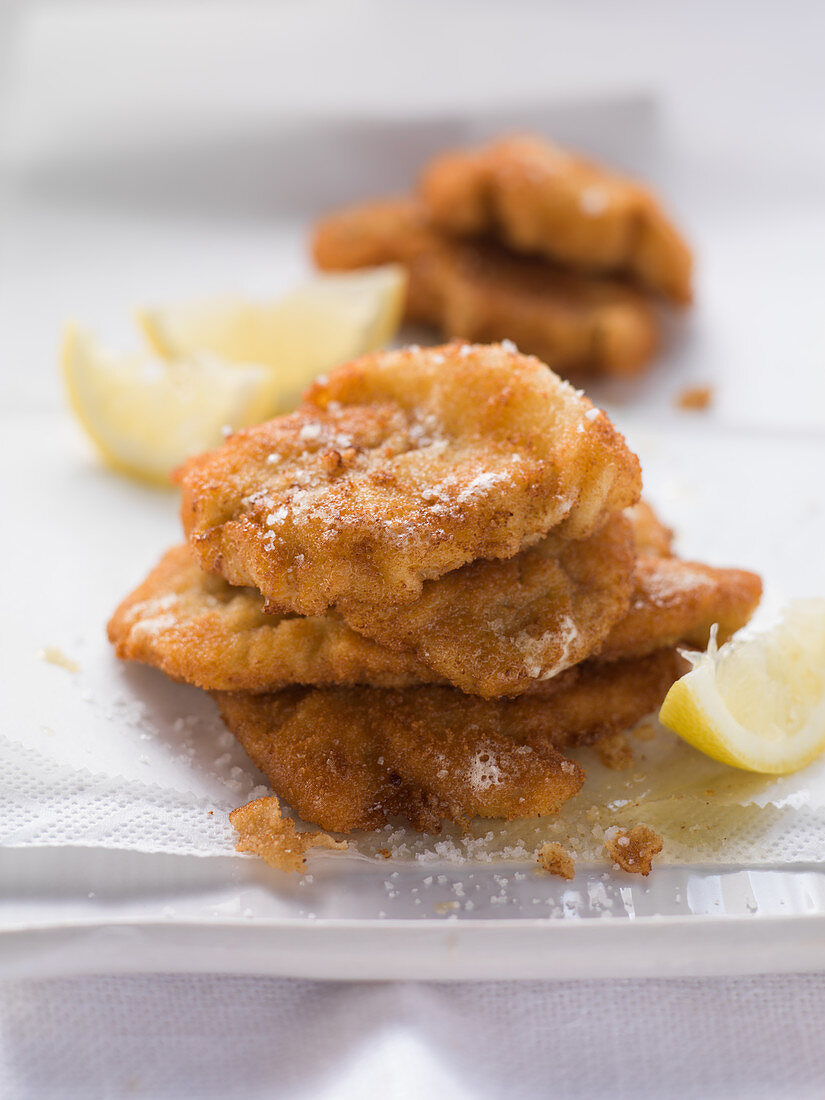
(695, 398)
(633, 851)
(556, 860)
(264, 832)
(645, 731)
(615, 751)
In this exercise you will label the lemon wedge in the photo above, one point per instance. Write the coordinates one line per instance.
(331, 319)
(146, 415)
(757, 702)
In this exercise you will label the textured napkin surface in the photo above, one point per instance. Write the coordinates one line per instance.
(44, 802)
(174, 1037)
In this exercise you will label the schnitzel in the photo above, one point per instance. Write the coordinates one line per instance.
(415, 595)
(676, 602)
(653, 538)
(355, 758)
(476, 290)
(499, 627)
(539, 199)
(400, 467)
(197, 628)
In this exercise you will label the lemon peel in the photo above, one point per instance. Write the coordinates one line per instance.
(757, 702)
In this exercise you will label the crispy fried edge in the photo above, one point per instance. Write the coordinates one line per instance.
(570, 485)
(478, 291)
(516, 189)
(200, 654)
(460, 629)
(201, 649)
(666, 609)
(388, 764)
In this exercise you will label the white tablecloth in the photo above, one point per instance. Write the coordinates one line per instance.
(173, 1037)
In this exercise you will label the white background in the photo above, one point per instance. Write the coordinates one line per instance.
(162, 150)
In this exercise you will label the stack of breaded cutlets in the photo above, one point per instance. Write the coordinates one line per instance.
(525, 241)
(413, 594)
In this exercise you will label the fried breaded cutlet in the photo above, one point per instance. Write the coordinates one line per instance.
(653, 538)
(478, 291)
(196, 628)
(677, 602)
(355, 758)
(491, 627)
(448, 581)
(498, 627)
(400, 467)
(536, 198)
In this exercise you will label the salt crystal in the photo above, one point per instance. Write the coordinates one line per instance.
(593, 201)
(310, 431)
(278, 516)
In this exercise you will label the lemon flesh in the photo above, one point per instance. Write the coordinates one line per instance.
(758, 702)
(146, 416)
(331, 319)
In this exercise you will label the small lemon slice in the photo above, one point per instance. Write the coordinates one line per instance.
(146, 416)
(331, 319)
(758, 702)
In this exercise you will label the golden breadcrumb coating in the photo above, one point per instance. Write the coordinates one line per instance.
(633, 851)
(677, 602)
(402, 466)
(499, 627)
(197, 628)
(538, 198)
(653, 538)
(578, 324)
(355, 758)
(264, 832)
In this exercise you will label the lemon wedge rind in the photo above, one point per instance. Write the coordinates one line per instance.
(758, 702)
